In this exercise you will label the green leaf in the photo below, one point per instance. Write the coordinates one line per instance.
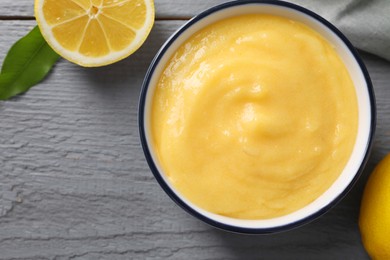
(27, 63)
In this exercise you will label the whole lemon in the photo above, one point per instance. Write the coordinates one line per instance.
(374, 219)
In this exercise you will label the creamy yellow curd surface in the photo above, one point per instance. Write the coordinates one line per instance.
(254, 117)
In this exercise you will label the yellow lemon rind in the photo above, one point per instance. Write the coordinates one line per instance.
(85, 61)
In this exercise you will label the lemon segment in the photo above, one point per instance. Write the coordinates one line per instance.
(114, 2)
(130, 13)
(85, 4)
(97, 2)
(118, 34)
(94, 33)
(59, 11)
(64, 32)
(94, 43)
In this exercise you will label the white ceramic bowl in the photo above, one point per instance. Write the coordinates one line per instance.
(366, 106)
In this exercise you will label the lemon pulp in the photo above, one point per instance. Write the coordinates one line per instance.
(95, 32)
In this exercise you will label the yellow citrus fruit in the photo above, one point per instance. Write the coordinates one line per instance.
(374, 219)
(94, 33)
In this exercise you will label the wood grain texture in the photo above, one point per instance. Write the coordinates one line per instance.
(74, 183)
(357, 20)
(182, 9)
(164, 8)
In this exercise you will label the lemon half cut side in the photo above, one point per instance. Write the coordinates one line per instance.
(94, 33)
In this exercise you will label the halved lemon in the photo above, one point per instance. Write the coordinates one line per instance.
(95, 33)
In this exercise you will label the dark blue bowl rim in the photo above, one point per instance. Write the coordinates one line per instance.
(157, 174)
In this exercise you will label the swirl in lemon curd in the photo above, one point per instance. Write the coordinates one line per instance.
(254, 117)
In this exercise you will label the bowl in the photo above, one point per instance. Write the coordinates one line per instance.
(365, 100)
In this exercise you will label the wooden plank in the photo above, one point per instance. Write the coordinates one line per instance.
(182, 9)
(9, 8)
(74, 182)
(164, 8)
(346, 15)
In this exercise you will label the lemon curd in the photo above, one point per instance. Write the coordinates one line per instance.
(254, 117)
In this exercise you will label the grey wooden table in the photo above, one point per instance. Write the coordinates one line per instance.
(74, 183)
